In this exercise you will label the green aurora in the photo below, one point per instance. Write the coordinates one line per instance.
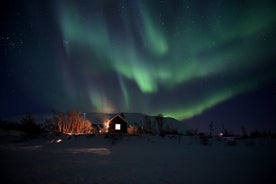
(173, 57)
(165, 47)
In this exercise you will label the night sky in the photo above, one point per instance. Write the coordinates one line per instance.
(196, 61)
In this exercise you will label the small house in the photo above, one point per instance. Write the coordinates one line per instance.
(117, 124)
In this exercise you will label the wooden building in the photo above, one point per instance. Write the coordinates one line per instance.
(117, 125)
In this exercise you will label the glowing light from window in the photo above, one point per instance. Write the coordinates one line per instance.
(117, 126)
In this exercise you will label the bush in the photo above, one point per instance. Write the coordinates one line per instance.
(29, 126)
(71, 122)
(132, 130)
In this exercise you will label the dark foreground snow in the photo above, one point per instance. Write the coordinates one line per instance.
(138, 159)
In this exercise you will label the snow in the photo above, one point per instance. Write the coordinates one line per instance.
(135, 159)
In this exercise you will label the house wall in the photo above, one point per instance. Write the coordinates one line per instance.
(117, 120)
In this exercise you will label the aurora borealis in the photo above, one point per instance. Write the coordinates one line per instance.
(175, 57)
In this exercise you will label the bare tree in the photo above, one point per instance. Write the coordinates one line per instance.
(148, 125)
(244, 133)
(224, 130)
(159, 120)
(211, 126)
(72, 122)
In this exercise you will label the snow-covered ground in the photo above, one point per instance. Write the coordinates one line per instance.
(135, 159)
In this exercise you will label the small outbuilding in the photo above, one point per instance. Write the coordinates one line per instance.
(117, 124)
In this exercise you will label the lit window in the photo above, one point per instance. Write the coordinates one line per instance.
(117, 126)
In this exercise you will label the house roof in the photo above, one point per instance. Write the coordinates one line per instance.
(120, 116)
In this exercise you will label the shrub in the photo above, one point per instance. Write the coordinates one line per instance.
(29, 126)
(133, 130)
(72, 122)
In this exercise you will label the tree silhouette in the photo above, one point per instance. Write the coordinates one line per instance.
(211, 126)
(159, 120)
